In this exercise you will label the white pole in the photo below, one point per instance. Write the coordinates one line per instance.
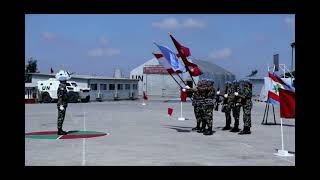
(181, 118)
(84, 141)
(181, 109)
(282, 146)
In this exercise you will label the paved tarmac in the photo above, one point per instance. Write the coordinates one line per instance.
(147, 136)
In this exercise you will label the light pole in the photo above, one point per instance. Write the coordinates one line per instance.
(292, 46)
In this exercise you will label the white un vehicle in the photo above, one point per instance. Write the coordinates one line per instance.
(48, 91)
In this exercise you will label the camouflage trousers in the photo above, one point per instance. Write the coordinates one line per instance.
(247, 115)
(61, 115)
(227, 112)
(236, 114)
(204, 115)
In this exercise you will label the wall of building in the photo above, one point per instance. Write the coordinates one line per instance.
(109, 94)
(257, 85)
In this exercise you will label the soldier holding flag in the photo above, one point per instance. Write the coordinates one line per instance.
(203, 103)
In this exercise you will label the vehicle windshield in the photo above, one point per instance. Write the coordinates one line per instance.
(74, 84)
(68, 84)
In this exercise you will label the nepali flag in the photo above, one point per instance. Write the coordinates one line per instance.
(183, 95)
(145, 97)
(169, 60)
(273, 91)
(287, 103)
(183, 53)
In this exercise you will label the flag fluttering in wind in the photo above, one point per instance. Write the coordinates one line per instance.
(172, 60)
(183, 95)
(192, 68)
(273, 91)
(287, 103)
(170, 111)
(145, 97)
(165, 63)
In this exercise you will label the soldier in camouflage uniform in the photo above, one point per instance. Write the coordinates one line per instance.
(203, 102)
(246, 96)
(235, 101)
(226, 105)
(62, 103)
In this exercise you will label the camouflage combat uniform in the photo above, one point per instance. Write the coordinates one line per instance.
(203, 102)
(62, 100)
(247, 106)
(235, 106)
(226, 107)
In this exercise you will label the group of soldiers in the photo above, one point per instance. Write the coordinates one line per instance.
(205, 99)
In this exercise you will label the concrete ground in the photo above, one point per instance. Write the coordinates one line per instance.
(146, 136)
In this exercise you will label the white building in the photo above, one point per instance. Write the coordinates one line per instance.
(102, 88)
(155, 80)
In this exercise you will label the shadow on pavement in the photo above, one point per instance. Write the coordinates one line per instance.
(72, 131)
(179, 128)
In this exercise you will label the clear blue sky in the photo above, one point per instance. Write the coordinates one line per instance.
(97, 44)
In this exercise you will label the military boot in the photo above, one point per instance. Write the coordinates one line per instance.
(196, 128)
(235, 129)
(208, 131)
(246, 130)
(61, 132)
(202, 129)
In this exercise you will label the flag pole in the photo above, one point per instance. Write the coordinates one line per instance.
(181, 80)
(175, 80)
(182, 57)
(282, 146)
(282, 152)
(181, 118)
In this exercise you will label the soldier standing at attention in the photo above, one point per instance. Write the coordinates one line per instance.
(226, 105)
(208, 107)
(62, 103)
(235, 105)
(246, 106)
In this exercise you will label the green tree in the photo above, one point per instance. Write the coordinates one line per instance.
(32, 66)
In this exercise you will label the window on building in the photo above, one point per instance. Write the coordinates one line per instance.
(120, 86)
(111, 86)
(74, 84)
(103, 86)
(134, 86)
(127, 86)
(94, 87)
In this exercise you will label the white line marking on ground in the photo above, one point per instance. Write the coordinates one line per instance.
(84, 142)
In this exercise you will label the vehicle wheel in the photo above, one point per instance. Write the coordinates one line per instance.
(87, 99)
(73, 97)
(46, 98)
